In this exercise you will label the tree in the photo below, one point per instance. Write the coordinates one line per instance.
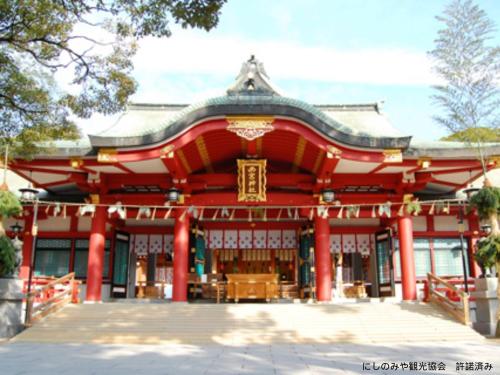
(39, 38)
(470, 70)
(9, 206)
(479, 134)
(470, 98)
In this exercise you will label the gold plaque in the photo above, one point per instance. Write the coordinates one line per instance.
(251, 180)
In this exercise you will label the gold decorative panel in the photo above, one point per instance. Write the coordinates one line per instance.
(250, 127)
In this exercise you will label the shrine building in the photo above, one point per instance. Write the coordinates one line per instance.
(290, 199)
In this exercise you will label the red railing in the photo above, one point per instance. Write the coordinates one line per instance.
(49, 295)
(439, 291)
(451, 294)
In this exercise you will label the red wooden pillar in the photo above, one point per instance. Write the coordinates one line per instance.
(323, 259)
(96, 255)
(181, 256)
(28, 239)
(408, 278)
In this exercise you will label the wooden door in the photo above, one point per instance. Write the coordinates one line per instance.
(120, 266)
(385, 268)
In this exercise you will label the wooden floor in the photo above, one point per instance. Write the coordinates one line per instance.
(240, 324)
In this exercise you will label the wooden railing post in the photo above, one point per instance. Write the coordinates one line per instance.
(51, 297)
(465, 304)
(29, 309)
(217, 287)
(74, 290)
(458, 311)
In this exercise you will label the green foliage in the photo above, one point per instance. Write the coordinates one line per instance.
(486, 201)
(91, 43)
(7, 257)
(9, 204)
(469, 67)
(488, 252)
(475, 135)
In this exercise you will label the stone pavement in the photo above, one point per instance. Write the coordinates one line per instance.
(74, 359)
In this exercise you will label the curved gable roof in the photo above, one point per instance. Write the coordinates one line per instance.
(149, 124)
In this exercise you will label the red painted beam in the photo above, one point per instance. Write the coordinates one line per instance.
(325, 173)
(251, 148)
(174, 166)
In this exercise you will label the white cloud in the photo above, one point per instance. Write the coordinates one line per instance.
(208, 63)
(197, 53)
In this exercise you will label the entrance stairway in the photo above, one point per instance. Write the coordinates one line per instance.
(240, 324)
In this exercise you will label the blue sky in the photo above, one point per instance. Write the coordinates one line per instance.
(319, 51)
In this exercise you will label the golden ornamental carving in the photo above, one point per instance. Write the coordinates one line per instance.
(167, 152)
(333, 152)
(393, 156)
(252, 180)
(107, 155)
(250, 127)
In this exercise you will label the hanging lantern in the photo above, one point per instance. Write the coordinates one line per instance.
(470, 192)
(173, 195)
(16, 229)
(327, 195)
(28, 194)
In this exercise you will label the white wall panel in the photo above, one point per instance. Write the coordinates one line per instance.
(419, 223)
(54, 224)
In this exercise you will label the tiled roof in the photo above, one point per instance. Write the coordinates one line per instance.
(142, 119)
(360, 125)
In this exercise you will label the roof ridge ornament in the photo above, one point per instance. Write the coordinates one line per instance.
(252, 80)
